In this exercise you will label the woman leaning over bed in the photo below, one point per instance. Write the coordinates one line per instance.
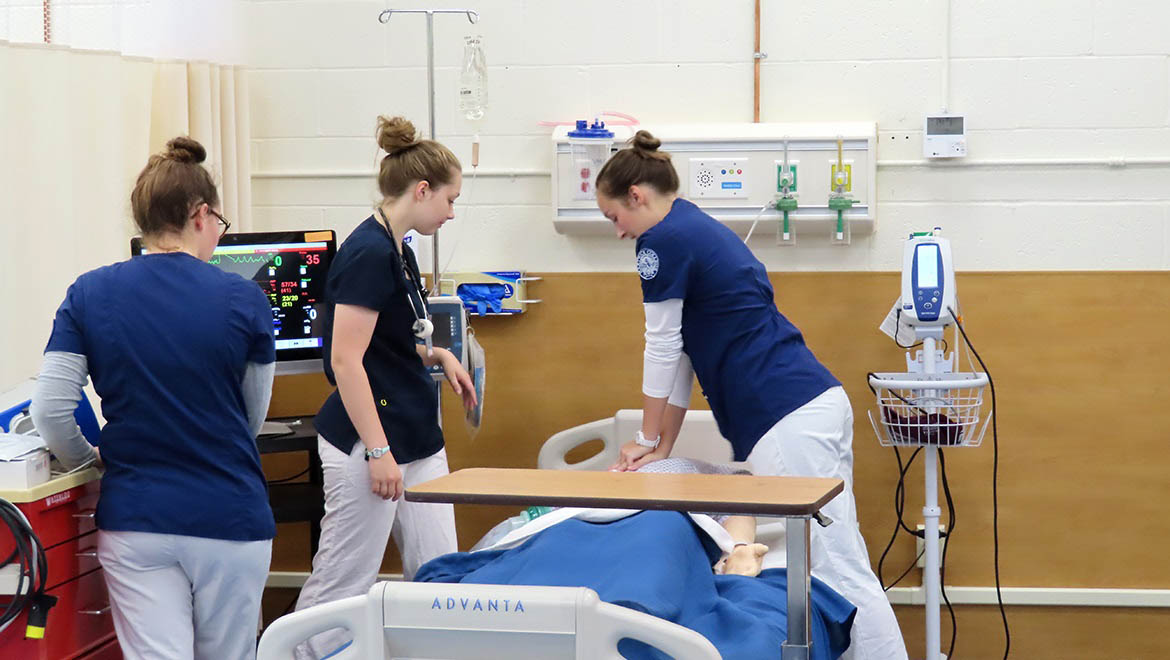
(710, 310)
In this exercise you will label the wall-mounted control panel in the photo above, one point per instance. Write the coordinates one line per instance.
(731, 171)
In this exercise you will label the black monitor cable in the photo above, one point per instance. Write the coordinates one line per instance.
(899, 504)
(1007, 636)
(942, 564)
(284, 480)
(32, 574)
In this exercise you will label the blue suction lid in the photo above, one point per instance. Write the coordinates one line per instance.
(584, 130)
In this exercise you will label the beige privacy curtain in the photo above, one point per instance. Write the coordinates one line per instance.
(76, 127)
(209, 102)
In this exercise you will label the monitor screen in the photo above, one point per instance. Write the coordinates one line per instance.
(944, 125)
(444, 328)
(927, 258)
(290, 267)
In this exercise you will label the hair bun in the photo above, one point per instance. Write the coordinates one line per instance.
(396, 134)
(644, 141)
(185, 150)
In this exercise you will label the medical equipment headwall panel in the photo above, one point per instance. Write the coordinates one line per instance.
(733, 171)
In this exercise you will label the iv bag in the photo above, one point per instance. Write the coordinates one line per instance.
(473, 94)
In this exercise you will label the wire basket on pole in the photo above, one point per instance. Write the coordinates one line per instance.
(918, 409)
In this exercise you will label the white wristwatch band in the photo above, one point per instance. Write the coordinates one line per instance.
(377, 452)
(640, 439)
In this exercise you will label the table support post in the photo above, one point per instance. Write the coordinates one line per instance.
(798, 646)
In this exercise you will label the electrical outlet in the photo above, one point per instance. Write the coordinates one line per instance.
(848, 176)
(780, 175)
(920, 544)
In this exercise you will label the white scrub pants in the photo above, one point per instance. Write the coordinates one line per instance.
(184, 597)
(356, 527)
(816, 440)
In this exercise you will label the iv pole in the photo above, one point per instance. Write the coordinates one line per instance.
(473, 18)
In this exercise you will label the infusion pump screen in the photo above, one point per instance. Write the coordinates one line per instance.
(927, 258)
(293, 277)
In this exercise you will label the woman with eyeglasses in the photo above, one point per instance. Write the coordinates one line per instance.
(182, 355)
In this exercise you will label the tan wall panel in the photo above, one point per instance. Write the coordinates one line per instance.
(1080, 361)
(1047, 633)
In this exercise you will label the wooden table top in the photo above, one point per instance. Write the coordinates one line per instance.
(714, 493)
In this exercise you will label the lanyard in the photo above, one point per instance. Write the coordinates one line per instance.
(423, 328)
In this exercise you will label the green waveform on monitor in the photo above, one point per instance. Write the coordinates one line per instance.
(245, 259)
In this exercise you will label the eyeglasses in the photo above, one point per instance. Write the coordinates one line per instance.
(222, 220)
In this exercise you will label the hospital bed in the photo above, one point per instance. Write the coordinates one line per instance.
(398, 620)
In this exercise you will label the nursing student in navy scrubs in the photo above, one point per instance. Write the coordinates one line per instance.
(379, 431)
(182, 355)
(711, 312)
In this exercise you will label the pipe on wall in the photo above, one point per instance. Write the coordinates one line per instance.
(756, 57)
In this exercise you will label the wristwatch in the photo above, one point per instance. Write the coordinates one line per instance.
(641, 440)
(377, 452)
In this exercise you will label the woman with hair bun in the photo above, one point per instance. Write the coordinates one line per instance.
(379, 430)
(711, 312)
(182, 355)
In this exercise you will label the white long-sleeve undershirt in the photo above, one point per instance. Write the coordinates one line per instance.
(666, 369)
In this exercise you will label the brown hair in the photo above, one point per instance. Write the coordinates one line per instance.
(641, 163)
(172, 183)
(409, 159)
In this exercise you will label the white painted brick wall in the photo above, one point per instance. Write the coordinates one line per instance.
(1036, 28)
(1043, 79)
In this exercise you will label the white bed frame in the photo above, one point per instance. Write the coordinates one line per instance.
(435, 621)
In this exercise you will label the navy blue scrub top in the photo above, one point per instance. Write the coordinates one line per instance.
(167, 338)
(368, 272)
(751, 362)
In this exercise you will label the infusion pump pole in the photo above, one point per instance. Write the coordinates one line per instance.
(473, 18)
(928, 296)
(931, 405)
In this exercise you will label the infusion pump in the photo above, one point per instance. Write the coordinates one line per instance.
(928, 282)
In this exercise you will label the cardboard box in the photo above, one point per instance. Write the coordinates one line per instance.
(23, 473)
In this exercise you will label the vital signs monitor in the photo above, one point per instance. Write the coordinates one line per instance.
(290, 267)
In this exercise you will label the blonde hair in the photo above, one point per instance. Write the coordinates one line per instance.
(409, 159)
(170, 186)
(640, 163)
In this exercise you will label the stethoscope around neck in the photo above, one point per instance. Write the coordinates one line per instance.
(422, 327)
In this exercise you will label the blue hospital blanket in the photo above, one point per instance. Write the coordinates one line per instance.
(658, 562)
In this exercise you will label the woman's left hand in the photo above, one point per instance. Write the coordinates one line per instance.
(460, 380)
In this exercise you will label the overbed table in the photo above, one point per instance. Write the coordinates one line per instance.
(796, 499)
